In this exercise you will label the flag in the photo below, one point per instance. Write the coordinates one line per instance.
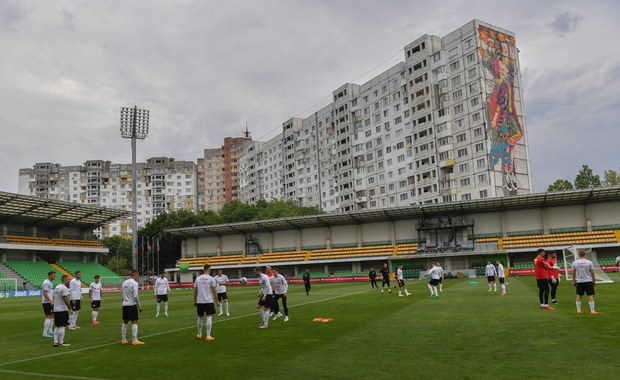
(142, 243)
(148, 245)
(157, 247)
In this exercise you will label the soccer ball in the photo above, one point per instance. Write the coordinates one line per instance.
(243, 280)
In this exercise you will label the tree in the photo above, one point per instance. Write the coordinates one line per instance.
(560, 185)
(119, 249)
(586, 179)
(611, 178)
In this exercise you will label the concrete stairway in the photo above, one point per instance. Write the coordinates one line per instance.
(10, 273)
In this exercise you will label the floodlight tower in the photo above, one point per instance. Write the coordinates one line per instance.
(134, 125)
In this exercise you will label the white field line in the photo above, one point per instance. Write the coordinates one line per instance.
(48, 375)
(170, 331)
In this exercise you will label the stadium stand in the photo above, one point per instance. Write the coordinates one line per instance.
(89, 270)
(313, 275)
(272, 257)
(33, 272)
(570, 238)
(32, 240)
(345, 253)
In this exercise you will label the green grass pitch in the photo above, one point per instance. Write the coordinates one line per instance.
(468, 333)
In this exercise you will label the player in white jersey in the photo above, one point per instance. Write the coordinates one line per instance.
(61, 311)
(205, 292)
(222, 296)
(162, 289)
(584, 280)
(435, 273)
(618, 262)
(440, 268)
(75, 295)
(48, 304)
(280, 289)
(491, 273)
(131, 308)
(501, 275)
(400, 280)
(266, 297)
(95, 292)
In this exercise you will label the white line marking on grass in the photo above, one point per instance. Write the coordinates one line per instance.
(169, 331)
(48, 375)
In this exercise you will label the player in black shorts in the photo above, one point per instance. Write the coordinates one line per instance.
(373, 278)
(306, 278)
(385, 273)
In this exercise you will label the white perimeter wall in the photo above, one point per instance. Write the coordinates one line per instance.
(376, 232)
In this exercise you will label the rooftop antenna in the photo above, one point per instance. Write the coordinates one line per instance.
(246, 134)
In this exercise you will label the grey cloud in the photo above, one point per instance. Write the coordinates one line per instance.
(565, 23)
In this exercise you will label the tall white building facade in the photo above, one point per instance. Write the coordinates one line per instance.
(163, 184)
(445, 125)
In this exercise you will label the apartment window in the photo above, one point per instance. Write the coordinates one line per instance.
(401, 158)
(456, 80)
(458, 109)
(371, 180)
(458, 123)
(398, 120)
(475, 117)
(453, 52)
(454, 65)
(478, 132)
(468, 44)
(445, 155)
(461, 137)
(473, 87)
(437, 56)
(472, 72)
(465, 182)
(368, 133)
(457, 94)
(474, 102)
(484, 194)
(479, 147)
(461, 152)
(481, 163)
(482, 178)
(471, 57)
(463, 168)
(403, 196)
(466, 197)
(391, 187)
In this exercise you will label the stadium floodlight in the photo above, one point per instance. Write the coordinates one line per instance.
(134, 125)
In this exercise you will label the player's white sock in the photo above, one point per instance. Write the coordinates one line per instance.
(61, 334)
(226, 303)
(199, 325)
(435, 290)
(430, 288)
(400, 293)
(95, 313)
(57, 334)
(490, 286)
(495, 286)
(209, 324)
(157, 307)
(503, 288)
(591, 303)
(407, 292)
(75, 317)
(165, 307)
(47, 326)
(220, 308)
(441, 286)
(123, 332)
(578, 304)
(134, 332)
(266, 318)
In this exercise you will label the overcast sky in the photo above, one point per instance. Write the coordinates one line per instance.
(206, 68)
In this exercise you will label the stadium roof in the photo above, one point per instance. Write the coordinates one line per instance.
(537, 200)
(24, 209)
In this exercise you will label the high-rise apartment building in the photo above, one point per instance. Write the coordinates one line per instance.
(219, 173)
(163, 184)
(445, 125)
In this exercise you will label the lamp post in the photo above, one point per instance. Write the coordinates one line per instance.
(134, 125)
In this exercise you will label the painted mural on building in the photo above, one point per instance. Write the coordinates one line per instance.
(498, 53)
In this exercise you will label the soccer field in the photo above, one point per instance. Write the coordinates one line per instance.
(468, 333)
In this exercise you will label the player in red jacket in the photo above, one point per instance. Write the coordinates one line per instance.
(541, 270)
(554, 276)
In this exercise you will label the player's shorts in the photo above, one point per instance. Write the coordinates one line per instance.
(401, 283)
(48, 309)
(162, 298)
(385, 281)
(222, 296)
(434, 281)
(77, 306)
(440, 280)
(95, 304)
(267, 302)
(502, 280)
(205, 308)
(491, 278)
(130, 313)
(585, 287)
(61, 318)
(542, 283)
